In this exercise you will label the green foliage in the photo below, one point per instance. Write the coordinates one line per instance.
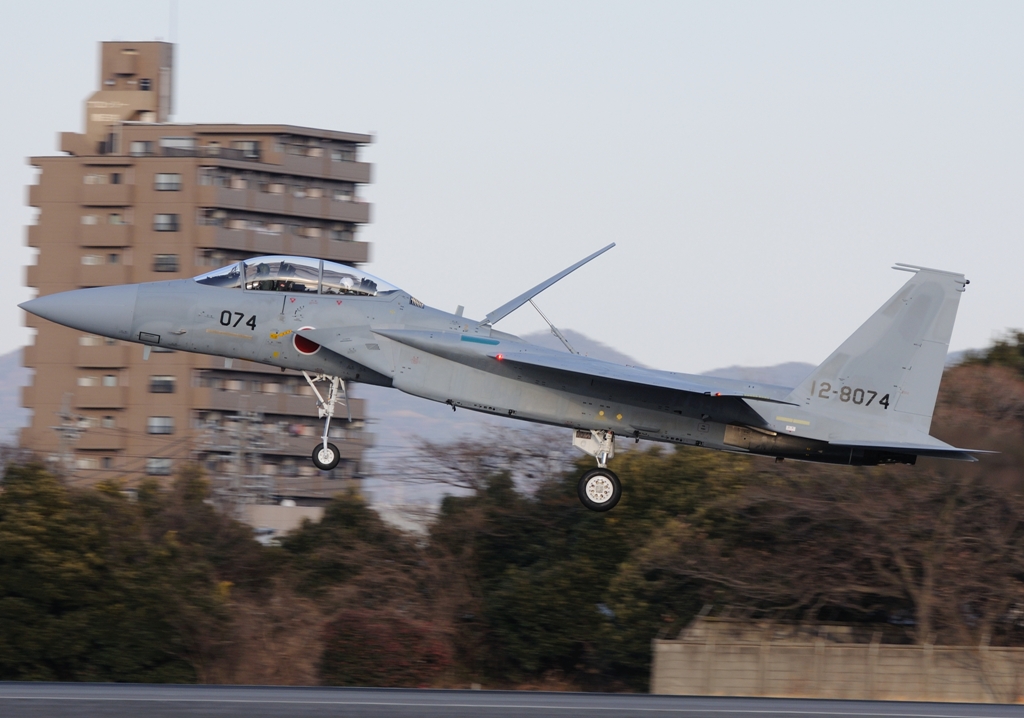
(340, 546)
(1007, 351)
(378, 648)
(555, 588)
(515, 583)
(91, 590)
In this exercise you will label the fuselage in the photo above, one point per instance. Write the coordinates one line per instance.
(438, 356)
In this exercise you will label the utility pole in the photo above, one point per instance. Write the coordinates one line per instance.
(68, 432)
(239, 438)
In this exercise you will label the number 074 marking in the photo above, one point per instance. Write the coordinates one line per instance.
(231, 319)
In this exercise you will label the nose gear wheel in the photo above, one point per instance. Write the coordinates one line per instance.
(326, 457)
(599, 489)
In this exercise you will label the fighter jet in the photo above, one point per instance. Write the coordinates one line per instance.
(869, 403)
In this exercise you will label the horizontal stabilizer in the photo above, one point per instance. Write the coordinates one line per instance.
(938, 450)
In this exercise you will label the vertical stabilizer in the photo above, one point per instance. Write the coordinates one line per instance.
(888, 371)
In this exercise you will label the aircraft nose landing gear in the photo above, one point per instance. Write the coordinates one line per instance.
(599, 489)
(326, 455)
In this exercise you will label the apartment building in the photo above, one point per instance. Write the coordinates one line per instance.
(138, 198)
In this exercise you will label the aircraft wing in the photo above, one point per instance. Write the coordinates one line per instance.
(676, 393)
(596, 368)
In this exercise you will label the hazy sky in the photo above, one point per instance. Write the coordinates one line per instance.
(760, 165)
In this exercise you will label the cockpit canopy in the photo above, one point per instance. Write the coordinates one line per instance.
(302, 275)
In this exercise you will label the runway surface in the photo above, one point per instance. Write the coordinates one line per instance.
(103, 700)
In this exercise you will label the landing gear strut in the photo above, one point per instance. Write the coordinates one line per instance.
(598, 489)
(326, 455)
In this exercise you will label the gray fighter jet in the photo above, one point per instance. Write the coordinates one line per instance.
(869, 403)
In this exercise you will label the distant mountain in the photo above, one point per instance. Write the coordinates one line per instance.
(13, 376)
(788, 374)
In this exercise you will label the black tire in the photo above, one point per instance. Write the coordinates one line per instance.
(597, 484)
(326, 460)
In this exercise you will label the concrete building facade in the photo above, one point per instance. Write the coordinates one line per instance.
(137, 198)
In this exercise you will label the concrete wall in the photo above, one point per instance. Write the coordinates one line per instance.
(715, 663)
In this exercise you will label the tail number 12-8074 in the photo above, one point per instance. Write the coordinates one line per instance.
(860, 397)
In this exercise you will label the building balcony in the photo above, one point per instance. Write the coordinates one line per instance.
(105, 195)
(300, 164)
(100, 397)
(101, 440)
(223, 197)
(35, 195)
(347, 252)
(280, 404)
(247, 240)
(102, 357)
(358, 212)
(350, 171)
(269, 202)
(32, 275)
(283, 445)
(75, 143)
(29, 355)
(32, 235)
(284, 204)
(105, 235)
(102, 275)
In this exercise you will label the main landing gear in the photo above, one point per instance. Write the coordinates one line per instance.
(598, 489)
(326, 455)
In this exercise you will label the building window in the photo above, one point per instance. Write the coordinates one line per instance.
(110, 380)
(115, 218)
(160, 425)
(113, 259)
(165, 222)
(88, 380)
(89, 219)
(167, 182)
(108, 422)
(158, 467)
(87, 464)
(91, 260)
(343, 234)
(177, 142)
(115, 178)
(250, 148)
(95, 179)
(141, 148)
(165, 262)
(161, 384)
(343, 154)
(145, 84)
(88, 340)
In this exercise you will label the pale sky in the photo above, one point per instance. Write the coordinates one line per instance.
(760, 165)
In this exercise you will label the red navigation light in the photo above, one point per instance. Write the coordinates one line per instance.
(499, 357)
(718, 393)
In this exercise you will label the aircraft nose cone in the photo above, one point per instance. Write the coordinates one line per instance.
(108, 311)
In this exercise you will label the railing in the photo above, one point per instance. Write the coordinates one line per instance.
(227, 153)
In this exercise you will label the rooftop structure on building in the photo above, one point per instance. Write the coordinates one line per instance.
(138, 198)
